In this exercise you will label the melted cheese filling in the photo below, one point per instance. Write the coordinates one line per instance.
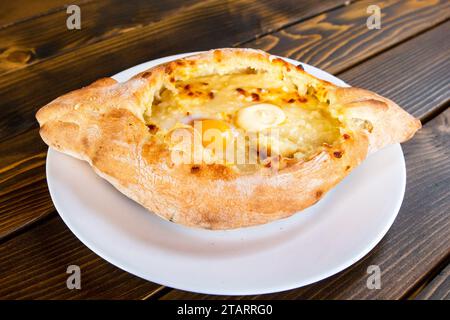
(305, 126)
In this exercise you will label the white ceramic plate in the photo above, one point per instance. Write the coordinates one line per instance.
(285, 254)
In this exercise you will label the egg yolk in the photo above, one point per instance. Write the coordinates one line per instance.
(212, 129)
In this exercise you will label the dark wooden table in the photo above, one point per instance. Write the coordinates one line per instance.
(407, 60)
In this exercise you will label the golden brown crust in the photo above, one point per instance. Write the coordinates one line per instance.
(390, 123)
(104, 125)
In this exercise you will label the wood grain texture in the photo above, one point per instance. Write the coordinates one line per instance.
(415, 74)
(418, 240)
(45, 36)
(24, 196)
(340, 38)
(41, 38)
(19, 10)
(33, 265)
(438, 288)
(23, 91)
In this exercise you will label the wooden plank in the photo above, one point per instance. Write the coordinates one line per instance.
(338, 39)
(415, 73)
(24, 197)
(23, 91)
(47, 36)
(27, 203)
(438, 288)
(33, 265)
(16, 11)
(417, 241)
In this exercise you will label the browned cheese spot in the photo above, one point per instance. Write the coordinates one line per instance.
(337, 154)
(195, 169)
(217, 56)
(240, 90)
(152, 128)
